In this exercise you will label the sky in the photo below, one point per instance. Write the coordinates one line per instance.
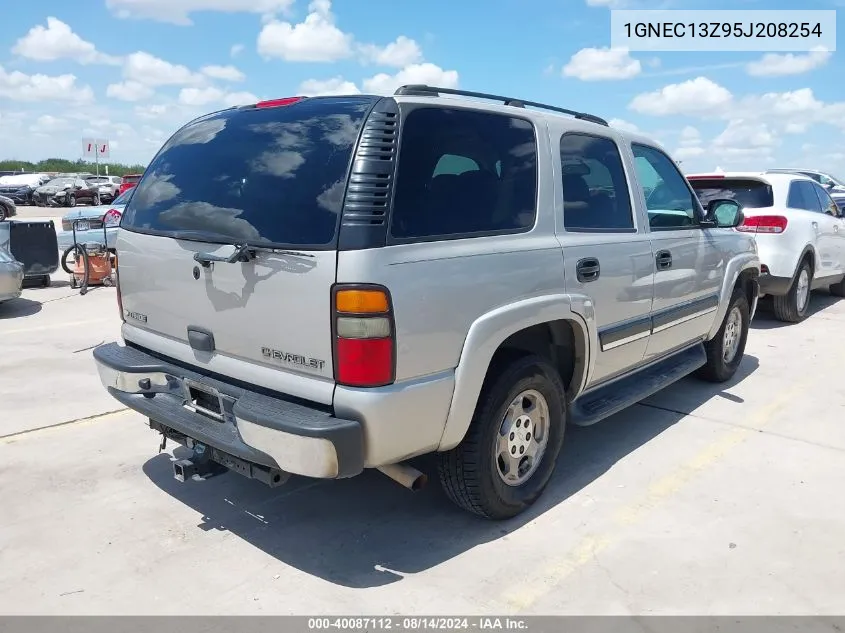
(133, 71)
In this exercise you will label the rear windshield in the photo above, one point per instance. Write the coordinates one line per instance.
(273, 176)
(131, 179)
(751, 194)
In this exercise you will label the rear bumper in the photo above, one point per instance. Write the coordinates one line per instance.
(254, 427)
(772, 285)
(93, 236)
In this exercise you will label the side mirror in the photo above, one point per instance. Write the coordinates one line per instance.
(723, 213)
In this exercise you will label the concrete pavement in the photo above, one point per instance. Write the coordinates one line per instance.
(701, 500)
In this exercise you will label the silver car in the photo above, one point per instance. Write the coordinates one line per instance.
(11, 271)
(318, 286)
(91, 222)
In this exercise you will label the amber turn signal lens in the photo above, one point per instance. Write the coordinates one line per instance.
(361, 301)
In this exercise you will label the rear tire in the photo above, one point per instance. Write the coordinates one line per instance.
(471, 473)
(793, 307)
(726, 349)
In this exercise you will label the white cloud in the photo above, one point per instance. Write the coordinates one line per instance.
(151, 112)
(690, 136)
(18, 86)
(697, 96)
(225, 73)
(236, 50)
(774, 65)
(425, 73)
(334, 86)
(401, 52)
(49, 124)
(316, 39)
(58, 41)
(602, 64)
(179, 11)
(129, 91)
(208, 95)
(238, 98)
(200, 96)
(154, 71)
(746, 135)
(623, 125)
(685, 153)
(795, 127)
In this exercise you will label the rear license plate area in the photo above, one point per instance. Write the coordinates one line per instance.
(204, 400)
(82, 226)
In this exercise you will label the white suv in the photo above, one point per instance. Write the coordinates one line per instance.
(799, 229)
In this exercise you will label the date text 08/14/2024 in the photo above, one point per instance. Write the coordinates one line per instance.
(388, 623)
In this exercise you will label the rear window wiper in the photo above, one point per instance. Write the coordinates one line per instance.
(244, 253)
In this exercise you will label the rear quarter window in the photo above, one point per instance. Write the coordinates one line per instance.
(464, 173)
(259, 175)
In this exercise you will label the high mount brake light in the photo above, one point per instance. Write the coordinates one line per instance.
(276, 103)
(364, 336)
(763, 224)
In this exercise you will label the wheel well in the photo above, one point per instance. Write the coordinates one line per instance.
(744, 281)
(560, 342)
(809, 256)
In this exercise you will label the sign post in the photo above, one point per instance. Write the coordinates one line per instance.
(95, 148)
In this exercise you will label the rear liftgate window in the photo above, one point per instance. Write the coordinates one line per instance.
(464, 173)
(752, 194)
(260, 175)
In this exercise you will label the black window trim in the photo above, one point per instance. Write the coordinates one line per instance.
(410, 108)
(820, 190)
(701, 212)
(811, 184)
(601, 231)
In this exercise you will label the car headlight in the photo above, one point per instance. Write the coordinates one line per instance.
(60, 193)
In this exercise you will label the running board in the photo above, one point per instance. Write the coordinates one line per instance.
(602, 402)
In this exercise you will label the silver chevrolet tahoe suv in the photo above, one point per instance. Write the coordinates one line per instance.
(318, 286)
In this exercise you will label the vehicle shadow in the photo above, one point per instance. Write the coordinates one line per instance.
(369, 531)
(19, 307)
(819, 300)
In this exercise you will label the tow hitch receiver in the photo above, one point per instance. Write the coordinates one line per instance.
(199, 468)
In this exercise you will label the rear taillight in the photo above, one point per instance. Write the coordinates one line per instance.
(364, 336)
(111, 217)
(763, 224)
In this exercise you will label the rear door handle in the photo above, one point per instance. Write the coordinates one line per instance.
(663, 260)
(587, 269)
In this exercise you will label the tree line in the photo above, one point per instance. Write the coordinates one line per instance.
(69, 166)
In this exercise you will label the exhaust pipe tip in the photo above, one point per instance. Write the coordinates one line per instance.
(405, 475)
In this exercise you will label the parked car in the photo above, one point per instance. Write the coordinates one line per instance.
(90, 222)
(109, 186)
(8, 208)
(835, 186)
(11, 271)
(800, 233)
(20, 187)
(66, 191)
(459, 292)
(129, 181)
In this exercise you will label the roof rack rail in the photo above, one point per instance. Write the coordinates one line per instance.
(424, 90)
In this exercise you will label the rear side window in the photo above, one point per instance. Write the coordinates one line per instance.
(802, 196)
(595, 190)
(272, 176)
(463, 173)
(753, 194)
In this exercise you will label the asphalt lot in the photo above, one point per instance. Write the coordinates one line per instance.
(702, 500)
